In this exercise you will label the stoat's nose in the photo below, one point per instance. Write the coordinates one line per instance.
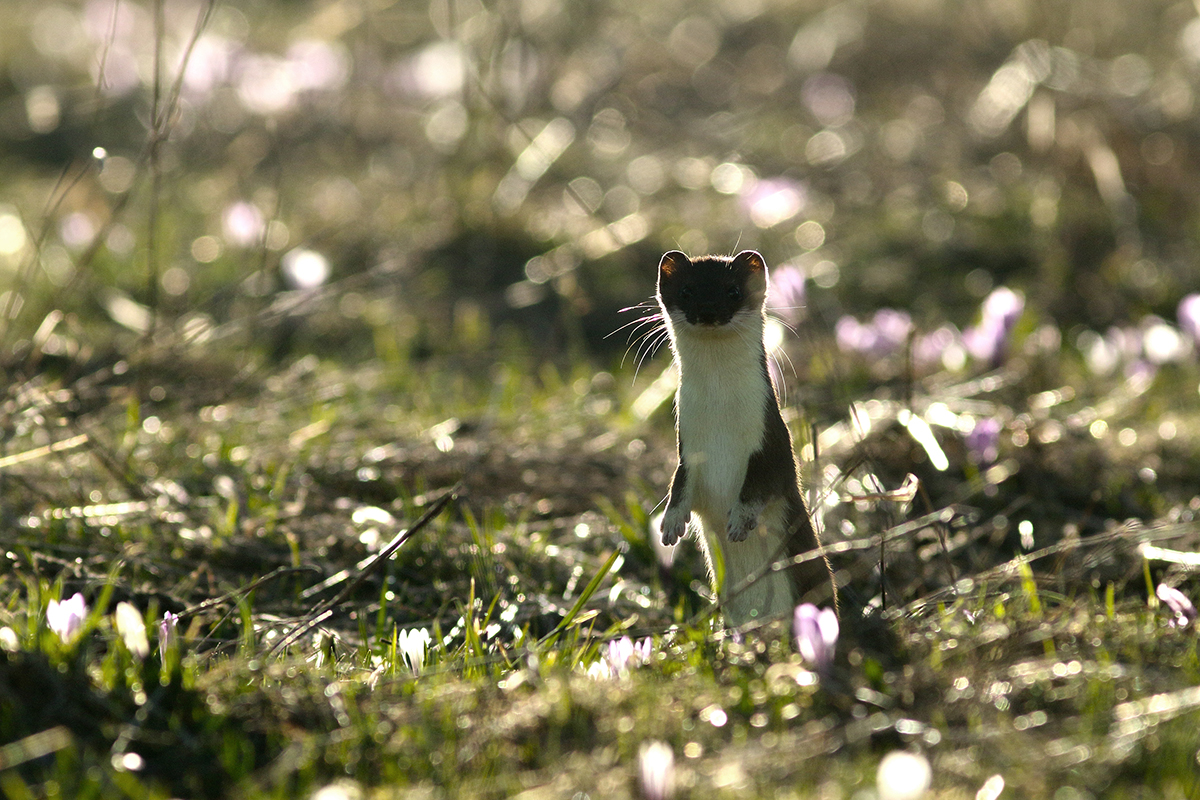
(707, 315)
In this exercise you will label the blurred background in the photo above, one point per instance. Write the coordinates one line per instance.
(399, 180)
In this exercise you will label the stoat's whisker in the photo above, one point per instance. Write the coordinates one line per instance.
(645, 343)
(653, 316)
(646, 333)
(787, 325)
(650, 324)
(782, 386)
(781, 353)
(648, 345)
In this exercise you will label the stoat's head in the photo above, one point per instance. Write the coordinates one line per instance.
(712, 291)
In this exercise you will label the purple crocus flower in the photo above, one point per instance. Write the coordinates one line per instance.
(853, 336)
(785, 296)
(619, 653)
(623, 655)
(66, 618)
(939, 349)
(1188, 315)
(1126, 341)
(642, 650)
(1179, 604)
(1004, 305)
(988, 341)
(168, 634)
(892, 328)
(886, 333)
(816, 634)
(983, 442)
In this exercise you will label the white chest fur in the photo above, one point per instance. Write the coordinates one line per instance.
(720, 403)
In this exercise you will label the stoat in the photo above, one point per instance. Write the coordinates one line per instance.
(737, 471)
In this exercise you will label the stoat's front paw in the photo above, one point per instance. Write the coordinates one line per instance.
(674, 524)
(743, 518)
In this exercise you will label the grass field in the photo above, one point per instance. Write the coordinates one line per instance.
(311, 395)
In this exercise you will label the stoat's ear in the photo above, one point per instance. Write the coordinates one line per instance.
(751, 260)
(672, 262)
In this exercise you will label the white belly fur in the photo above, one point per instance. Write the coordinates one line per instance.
(721, 403)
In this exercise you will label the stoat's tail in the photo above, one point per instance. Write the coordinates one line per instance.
(812, 579)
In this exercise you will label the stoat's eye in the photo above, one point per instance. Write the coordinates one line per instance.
(685, 293)
(735, 293)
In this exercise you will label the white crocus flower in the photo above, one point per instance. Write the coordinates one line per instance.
(132, 629)
(66, 618)
(656, 770)
(413, 645)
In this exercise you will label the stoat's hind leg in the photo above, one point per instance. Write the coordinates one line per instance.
(743, 518)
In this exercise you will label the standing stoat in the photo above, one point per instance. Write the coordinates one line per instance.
(737, 470)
